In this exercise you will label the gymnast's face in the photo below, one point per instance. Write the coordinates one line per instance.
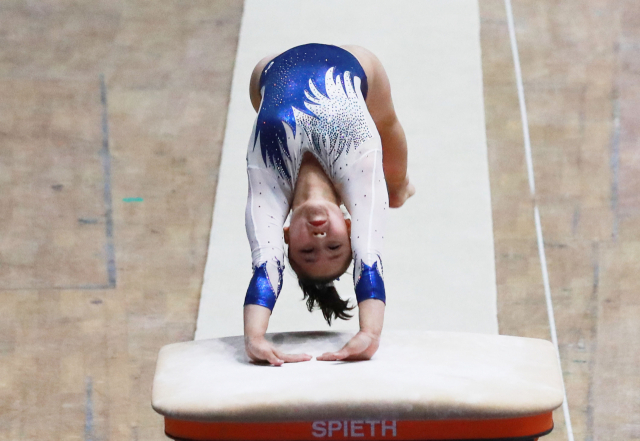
(319, 239)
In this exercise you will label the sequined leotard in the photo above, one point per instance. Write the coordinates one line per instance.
(313, 100)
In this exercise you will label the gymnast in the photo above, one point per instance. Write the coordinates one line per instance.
(326, 134)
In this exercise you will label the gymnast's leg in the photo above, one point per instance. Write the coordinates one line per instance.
(394, 142)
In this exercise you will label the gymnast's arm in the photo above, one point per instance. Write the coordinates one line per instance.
(265, 213)
(364, 194)
(268, 202)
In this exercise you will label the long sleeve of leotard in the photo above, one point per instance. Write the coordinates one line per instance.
(364, 193)
(267, 208)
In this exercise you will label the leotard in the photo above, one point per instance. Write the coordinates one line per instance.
(313, 100)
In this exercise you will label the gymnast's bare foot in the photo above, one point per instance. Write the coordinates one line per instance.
(398, 194)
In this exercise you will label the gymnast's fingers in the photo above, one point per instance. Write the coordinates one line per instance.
(355, 349)
(269, 357)
(329, 356)
(273, 359)
(262, 351)
(342, 354)
(292, 358)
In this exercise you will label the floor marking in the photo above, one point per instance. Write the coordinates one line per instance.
(132, 199)
(106, 166)
(88, 410)
(614, 164)
(594, 338)
(61, 288)
(105, 156)
(532, 188)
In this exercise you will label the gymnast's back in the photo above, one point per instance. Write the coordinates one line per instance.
(312, 98)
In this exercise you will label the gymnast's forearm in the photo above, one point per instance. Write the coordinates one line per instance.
(256, 321)
(371, 315)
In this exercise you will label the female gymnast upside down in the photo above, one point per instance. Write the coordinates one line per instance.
(326, 133)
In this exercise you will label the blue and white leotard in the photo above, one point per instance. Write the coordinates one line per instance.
(313, 100)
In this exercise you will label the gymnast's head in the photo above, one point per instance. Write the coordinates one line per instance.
(319, 252)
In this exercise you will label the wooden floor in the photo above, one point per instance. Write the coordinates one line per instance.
(111, 121)
(580, 67)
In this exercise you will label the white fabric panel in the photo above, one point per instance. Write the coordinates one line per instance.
(439, 258)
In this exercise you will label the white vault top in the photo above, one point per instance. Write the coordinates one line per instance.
(413, 376)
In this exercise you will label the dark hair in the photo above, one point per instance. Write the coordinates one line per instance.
(322, 294)
(325, 296)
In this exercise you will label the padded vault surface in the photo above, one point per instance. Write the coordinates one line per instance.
(414, 375)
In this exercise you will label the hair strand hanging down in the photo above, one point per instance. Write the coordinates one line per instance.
(326, 297)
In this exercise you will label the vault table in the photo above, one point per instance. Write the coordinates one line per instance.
(418, 386)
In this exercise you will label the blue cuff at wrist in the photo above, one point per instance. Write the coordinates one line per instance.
(260, 291)
(370, 284)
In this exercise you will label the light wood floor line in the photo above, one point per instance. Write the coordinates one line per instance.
(532, 188)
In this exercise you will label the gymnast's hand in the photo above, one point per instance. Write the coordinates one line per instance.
(361, 347)
(366, 342)
(256, 320)
(259, 349)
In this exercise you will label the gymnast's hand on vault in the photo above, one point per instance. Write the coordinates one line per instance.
(259, 349)
(361, 347)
